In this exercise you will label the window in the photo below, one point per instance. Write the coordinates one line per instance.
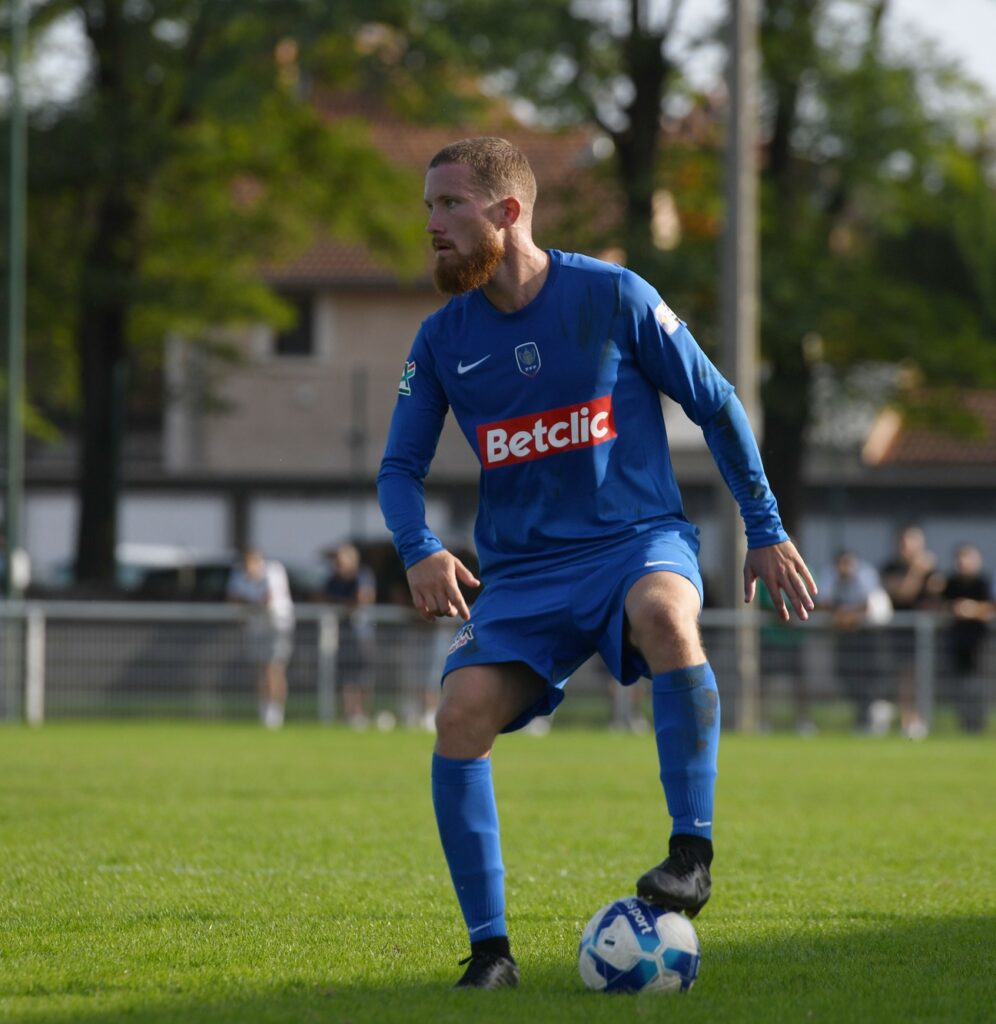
(297, 339)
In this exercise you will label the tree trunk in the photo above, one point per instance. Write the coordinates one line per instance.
(785, 395)
(637, 144)
(108, 278)
(786, 414)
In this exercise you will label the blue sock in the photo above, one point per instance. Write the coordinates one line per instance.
(464, 800)
(686, 721)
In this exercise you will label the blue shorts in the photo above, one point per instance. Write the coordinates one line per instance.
(555, 620)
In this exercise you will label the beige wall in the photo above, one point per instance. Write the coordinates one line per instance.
(286, 416)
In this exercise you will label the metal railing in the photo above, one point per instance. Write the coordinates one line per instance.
(75, 659)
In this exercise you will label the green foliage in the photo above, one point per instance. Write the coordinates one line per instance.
(879, 205)
(216, 874)
(876, 217)
(190, 120)
(286, 173)
(193, 158)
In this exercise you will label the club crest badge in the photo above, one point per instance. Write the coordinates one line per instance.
(527, 358)
(405, 386)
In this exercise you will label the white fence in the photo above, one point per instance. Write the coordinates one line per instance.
(62, 660)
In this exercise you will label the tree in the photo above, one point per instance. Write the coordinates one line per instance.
(190, 158)
(874, 239)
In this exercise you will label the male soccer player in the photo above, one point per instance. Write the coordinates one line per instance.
(553, 364)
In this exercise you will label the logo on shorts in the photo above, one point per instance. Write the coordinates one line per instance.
(527, 358)
(463, 637)
(537, 435)
(405, 387)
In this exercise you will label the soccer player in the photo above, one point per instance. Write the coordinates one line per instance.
(553, 364)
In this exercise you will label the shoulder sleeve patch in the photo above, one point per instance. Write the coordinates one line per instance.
(666, 318)
(407, 372)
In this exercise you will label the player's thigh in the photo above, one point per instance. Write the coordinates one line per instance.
(662, 611)
(478, 701)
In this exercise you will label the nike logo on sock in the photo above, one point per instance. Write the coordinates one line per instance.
(701, 824)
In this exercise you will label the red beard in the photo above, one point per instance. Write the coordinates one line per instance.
(459, 274)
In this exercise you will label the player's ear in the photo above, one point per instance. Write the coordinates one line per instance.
(509, 212)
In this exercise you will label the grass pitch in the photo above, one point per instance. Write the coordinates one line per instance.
(153, 873)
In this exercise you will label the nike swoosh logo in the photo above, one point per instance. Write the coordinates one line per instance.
(461, 369)
(479, 928)
(663, 561)
(701, 824)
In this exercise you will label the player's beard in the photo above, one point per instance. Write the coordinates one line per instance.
(457, 274)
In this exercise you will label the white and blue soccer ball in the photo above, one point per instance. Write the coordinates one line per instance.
(631, 946)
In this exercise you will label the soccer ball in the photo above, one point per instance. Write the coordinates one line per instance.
(631, 946)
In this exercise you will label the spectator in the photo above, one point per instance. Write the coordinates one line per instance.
(913, 583)
(351, 585)
(857, 603)
(262, 586)
(968, 596)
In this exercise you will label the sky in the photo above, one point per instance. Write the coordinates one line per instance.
(964, 29)
(961, 29)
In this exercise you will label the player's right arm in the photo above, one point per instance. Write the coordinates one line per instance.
(433, 573)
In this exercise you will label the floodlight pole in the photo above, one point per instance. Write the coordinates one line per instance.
(15, 302)
(739, 324)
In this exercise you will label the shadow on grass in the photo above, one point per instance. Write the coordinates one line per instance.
(878, 969)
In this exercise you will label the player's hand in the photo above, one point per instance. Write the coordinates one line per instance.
(434, 586)
(785, 574)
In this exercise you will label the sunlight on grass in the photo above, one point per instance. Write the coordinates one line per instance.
(222, 874)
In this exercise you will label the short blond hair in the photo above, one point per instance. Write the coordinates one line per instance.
(498, 167)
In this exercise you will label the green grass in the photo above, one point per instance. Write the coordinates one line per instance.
(223, 874)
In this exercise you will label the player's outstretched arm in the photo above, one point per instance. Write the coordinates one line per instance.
(434, 585)
(784, 573)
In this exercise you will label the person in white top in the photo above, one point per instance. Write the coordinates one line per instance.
(261, 585)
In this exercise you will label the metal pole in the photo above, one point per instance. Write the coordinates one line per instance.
(328, 647)
(34, 665)
(924, 664)
(15, 302)
(739, 322)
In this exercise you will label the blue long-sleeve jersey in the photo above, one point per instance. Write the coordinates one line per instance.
(560, 401)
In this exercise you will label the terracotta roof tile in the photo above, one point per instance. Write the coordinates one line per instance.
(893, 442)
(330, 261)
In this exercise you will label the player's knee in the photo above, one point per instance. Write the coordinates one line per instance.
(463, 729)
(666, 635)
(656, 622)
(448, 720)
